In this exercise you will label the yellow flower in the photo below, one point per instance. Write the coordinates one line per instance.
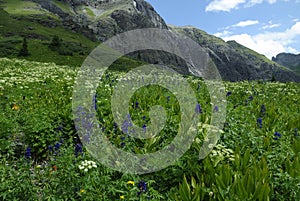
(122, 197)
(130, 182)
(82, 191)
(15, 107)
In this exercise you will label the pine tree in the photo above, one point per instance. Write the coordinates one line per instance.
(24, 50)
(55, 43)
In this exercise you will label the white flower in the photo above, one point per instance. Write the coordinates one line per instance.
(86, 170)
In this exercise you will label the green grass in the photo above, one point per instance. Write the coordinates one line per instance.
(18, 7)
(250, 161)
(63, 6)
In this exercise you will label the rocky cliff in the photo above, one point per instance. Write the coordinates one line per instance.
(291, 61)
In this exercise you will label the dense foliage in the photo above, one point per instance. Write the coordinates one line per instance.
(42, 158)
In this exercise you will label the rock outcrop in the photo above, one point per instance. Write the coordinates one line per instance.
(288, 60)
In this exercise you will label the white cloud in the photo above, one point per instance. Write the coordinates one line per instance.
(223, 5)
(267, 43)
(228, 5)
(246, 23)
(270, 25)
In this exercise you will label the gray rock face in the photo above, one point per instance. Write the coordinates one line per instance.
(288, 60)
(236, 62)
(110, 16)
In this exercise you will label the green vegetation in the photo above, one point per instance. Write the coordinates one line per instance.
(74, 46)
(42, 158)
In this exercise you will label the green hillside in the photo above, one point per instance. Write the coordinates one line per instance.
(18, 23)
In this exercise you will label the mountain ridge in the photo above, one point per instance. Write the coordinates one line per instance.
(291, 61)
(99, 20)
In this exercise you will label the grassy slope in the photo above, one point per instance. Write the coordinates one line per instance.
(17, 21)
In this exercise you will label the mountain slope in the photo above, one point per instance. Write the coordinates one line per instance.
(83, 24)
(291, 61)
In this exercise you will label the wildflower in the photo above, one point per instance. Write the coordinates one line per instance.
(216, 109)
(251, 98)
(198, 109)
(136, 104)
(142, 186)
(122, 144)
(130, 182)
(54, 167)
(259, 122)
(168, 98)
(95, 101)
(28, 153)
(82, 191)
(122, 197)
(263, 110)
(211, 193)
(277, 136)
(144, 127)
(86, 165)
(228, 93)
(60, 128)
(15, 107)
(126, 124)
(57, 145)
(78, 149)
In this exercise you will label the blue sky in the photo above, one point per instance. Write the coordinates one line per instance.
(266, 26)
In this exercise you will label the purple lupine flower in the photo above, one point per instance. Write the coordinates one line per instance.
(28, 153)
(144, 127)
(57, 145)
(95, 101)
(126, 124)
(122, 144)
(277, 135)
(228, 93)
(78, 149)
(216, 109)
(259, 122)
(251, 98)
(198, 109)
(263, 110)
(142, 186)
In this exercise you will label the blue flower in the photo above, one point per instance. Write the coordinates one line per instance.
(198, 109)
(126, 124)
(78, 149)
(263, 110)
(277, 136)
(259, 122)
(57, 145)
(136, 104)
(142, 186)
(251, 98)
(95, 101)
(144, 127)
(228, 93)
(216, 109)
(122, 144)
(28, 153)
